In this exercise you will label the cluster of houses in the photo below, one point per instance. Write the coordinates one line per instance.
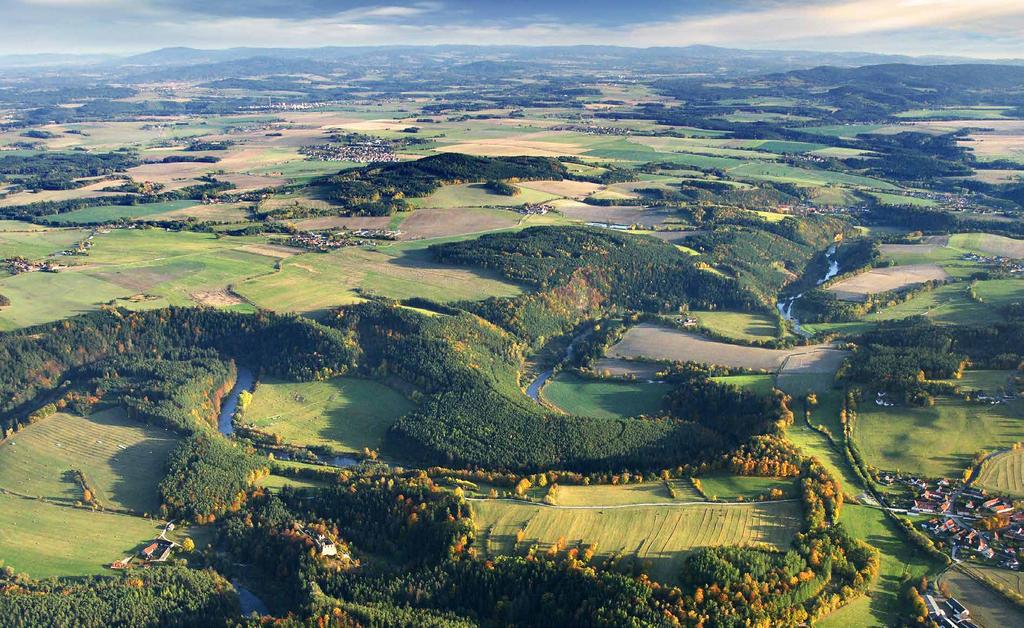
(881, 399)
(948, 613)
(1007, 264)
(530, 209)
(321, 240)
(959, 510)
(377, 234)
(594, 129)
(369, 151)
(18, 265)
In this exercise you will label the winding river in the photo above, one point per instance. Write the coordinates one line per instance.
(244, 381)
(785, 305)
(533, 390)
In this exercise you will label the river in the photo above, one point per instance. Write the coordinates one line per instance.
(244, 381)
(249, 601)
(533, 390)
(785, 305)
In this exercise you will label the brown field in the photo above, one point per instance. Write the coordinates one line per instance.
(219, 212)
(663, 343)
(246, 182)
(509, 147)
(568, 189)
(877, 280)
(626, 368)
(216, 298)
(433, 223)
(91, 190)
(998, 176)
(625, 215)
(173, 176)
(271, 250)
(344, 222)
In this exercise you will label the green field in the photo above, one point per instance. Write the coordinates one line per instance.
(886, 198)
(1004, 473)
(476, 195)
(604, 398)
(939, 441)
(732, 487)
(169, 268)
(761, 384)
(747, 326)
(44, 539)
(123, 460)
(37, 243)
(113, 213)
(344, 413)
(657, 535)
(989, 381)
(898, 557)
(315, 282)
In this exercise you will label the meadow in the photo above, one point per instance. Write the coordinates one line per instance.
(604, 398)
(43, 539)
(748, 326)
(344, 413)
(113, 213)
(937, 441)
(739, 487)
(898, 558)
(658, 536)
(166, 268)
(315, 282)
(123, 460)
(36, 243)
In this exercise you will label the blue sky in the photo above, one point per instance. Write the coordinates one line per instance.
(983, 28)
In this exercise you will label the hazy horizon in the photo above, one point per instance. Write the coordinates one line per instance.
(983, 29)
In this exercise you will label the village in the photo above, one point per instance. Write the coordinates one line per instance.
(330, 240)
(369, 151)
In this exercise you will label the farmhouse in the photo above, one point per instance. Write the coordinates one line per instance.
(157, 551)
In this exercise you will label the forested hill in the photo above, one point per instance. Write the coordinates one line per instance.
(381, 189)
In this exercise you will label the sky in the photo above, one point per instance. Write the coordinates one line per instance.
(976, 28)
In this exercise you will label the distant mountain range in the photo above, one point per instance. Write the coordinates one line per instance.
(695, 59)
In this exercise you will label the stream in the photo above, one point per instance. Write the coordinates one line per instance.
(533, 390)
(244, 381)
(785, 304)
(249, 601)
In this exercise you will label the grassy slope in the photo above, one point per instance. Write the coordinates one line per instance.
(122, 459)
(344, 413)
(939, 441)
(606, 399)
(44, 539)
(660, 535)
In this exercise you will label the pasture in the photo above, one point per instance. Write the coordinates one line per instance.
(1004, 473)
(123, 460)
(733, 487)
(749, 326)
(609, 399)
(160, 267)
(113, 213)
(344, 413)
(654, 342)
(760, 384)
(878, 280)
(314, 282)
(477, 195)
(937, 441)
(881, 607)
(659, 536)
(43, 539)
(36, 243)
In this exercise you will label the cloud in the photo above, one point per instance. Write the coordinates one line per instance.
(979, 27)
